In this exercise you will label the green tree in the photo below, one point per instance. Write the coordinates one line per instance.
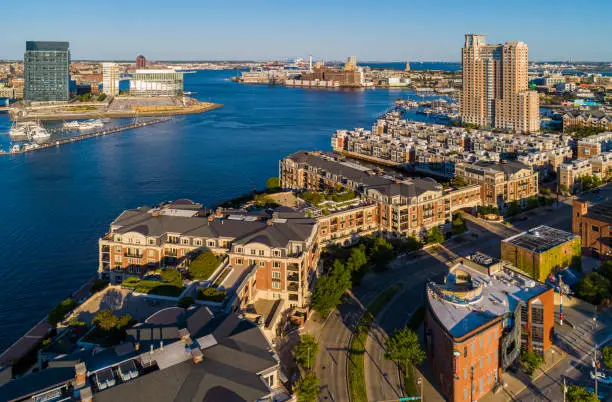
(593, 288)
(530, 361)
(101, 97)
(514, 208)
(434, 235)
(329, 288)
(273, 183)
(357, 259)
(403, 346)
(606, 353)
(459, 182)
(577, 393)
(106, 320)
(306, 350)
(381, 254)
(59, 312)
(458, 224)
(98, 285)
(532, 202)
(307, 389)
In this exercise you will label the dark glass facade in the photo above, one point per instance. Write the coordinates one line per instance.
(47, 70)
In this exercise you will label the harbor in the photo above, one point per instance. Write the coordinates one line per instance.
(33, 146)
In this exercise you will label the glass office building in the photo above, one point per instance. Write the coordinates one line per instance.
(46, 71)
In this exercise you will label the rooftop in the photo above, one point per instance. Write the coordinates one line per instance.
(540, 238)
(601, 212)
(470, 297)
(47, 46)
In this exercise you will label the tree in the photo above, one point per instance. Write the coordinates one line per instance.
(459, 182)
(101, 97)
(532, 202)
(606, 353)
(531, 361)
(306, 350)
(329, 288)
(514, 208)
(106, 320)
(307, 389)
(357, 259)
(577, 393)
(593, 288)
(273, 183)
(59, 312)
(381, 254)
(434, 236)
(458, 224)
(403, 346)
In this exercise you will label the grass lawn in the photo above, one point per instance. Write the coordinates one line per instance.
(153, 287)
(357, 348)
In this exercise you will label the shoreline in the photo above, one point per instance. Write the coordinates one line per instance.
(98, 114)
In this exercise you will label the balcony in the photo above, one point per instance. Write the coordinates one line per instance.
(293, 267)
(171, 253)
(133, 255)
(293, 287)
(105, 249)
(294, 277)
(172, 240)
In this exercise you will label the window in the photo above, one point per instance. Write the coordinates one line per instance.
(197, 242)
(185, 241)
(276, 264)
(480, 342)
(261, 252)
(276, 296)
(151, 253)
(465, 393)
(211, 243)
(277, 253)
(276, 284)
(118, 249)
(262, 263)
(481, 362)
(239, 261)
(594, 228)
(473, 347)
(118, 258)
(276, 275)
(152, 241)
(465, 375)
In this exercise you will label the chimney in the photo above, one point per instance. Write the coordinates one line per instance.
(269, 222)
(80, 374)
(86, 395)
(196, 355)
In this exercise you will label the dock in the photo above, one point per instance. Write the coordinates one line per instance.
(86, 136)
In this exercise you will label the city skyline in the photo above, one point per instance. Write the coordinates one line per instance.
(212, 32)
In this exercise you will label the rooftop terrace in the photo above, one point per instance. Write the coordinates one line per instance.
(471, 298)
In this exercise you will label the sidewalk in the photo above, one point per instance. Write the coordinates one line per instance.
(515, 383)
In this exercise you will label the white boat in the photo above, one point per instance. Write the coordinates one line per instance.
(72, 125)
(39, 134)
(15, 148)
(90, 125)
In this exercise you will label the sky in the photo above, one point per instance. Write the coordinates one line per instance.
(380, 30)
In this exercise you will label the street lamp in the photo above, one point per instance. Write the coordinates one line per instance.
(420, 383)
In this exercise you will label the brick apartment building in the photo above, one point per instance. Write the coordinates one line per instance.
(403, 207)
(272, 256)
(570, 171)
(500, 183)
(575, 119)
(592, 223)
(478, 320)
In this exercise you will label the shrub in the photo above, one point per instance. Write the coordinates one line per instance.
(458, 224)
(212, 294)
(306, 350)
(202, 267)
(606, 353)
(185, 302)
(307, 389)
(98, 285)
(273, 183)
(59, 312)
(530, 361)
(434, 236)
(172, 277)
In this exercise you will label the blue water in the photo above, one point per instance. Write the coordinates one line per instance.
(415, 65)
(57, 202)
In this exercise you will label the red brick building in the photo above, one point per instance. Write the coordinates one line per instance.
(478, 321)
(592, 223)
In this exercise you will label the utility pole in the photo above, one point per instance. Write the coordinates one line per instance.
(595, 364)
(564, 389)
(420, 382)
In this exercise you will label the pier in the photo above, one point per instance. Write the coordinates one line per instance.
(35, 147)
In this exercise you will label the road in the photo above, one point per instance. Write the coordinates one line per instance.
(413, 272)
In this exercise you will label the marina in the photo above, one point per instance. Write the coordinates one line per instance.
(40, 135)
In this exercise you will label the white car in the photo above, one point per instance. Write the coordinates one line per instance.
(601, 377)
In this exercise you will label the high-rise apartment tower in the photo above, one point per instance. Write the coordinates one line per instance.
(495, 86)
(110, 79)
